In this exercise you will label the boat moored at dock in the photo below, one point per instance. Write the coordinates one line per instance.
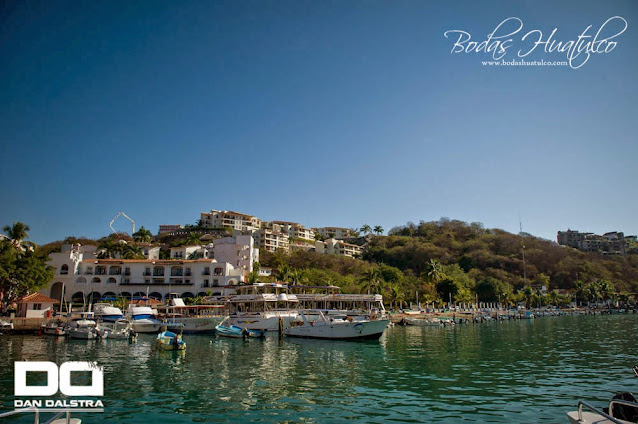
(338, 328)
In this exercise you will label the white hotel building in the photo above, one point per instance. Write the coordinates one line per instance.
(229, 219)
(80, 275)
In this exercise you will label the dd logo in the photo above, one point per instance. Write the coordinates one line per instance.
(53, 376)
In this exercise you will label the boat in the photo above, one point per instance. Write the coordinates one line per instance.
(83, 328)
(5, 326)
(338, 328)
(143, 319)
(107, 312)
(192, 318)
(120, 329)
(528, 315)
(262, 306)
(424, 322)
(622, 409)
(226, 329)
(53, 328)
(167, 340)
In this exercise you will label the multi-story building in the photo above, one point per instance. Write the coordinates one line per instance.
(292, 229)
(230, 219)
(612, 243)
(271, 240)
(337, 247)
(335, 232)
(80, 277)
(169, 228)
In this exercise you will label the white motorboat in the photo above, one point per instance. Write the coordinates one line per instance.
(107, 312)
(83, 329)
(619, 411)
(53, 328)
(120, 329)
(264, 307)
(338, 328)
(143, 319)
(5, 326)
(191, 319)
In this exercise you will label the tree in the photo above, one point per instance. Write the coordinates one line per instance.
(142, 235)
(21, 273)
(17, 233)
(435, 271)
(371, 280)
(131, 251)
(109, 249)
(283, 273)
(378, 230)
(366, 229)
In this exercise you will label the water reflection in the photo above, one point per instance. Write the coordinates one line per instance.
(522, 371)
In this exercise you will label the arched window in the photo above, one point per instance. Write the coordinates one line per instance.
(219, 270)
(111, 280)
(80, 280)
(177, 271)
(78, 297)
(96, 280)
(155, 295)
(109, 295)
(64, 269)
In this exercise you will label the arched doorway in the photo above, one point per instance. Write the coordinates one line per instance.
(93, 297)
(126, 295)
(56, 290)
(155, 295)
(78, 297)
(187, 295)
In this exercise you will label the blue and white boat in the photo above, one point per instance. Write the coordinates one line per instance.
(107, 312)
(167, 340)
(143, 319)
(226, 329)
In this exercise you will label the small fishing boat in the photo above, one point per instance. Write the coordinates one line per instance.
(338, 328)
(423, 322)
(5, 326)
(120, 329)
(53, 328)
(167, 340)
(83, 328)
(226, 329)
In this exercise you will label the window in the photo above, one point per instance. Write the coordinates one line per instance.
(64, 269)
(37, 306)
(205, 283)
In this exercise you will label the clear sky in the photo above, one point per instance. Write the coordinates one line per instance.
(336, 113)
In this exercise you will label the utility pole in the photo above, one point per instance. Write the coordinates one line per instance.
(520, 223)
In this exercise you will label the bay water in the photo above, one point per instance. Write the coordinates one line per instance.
(516, 372)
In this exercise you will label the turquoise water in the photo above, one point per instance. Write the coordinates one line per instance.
(519, 371)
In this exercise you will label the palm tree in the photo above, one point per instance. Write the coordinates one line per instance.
(193, 239)
(17, 233)
(528, 295)
(109, 248)
(366, 229)
(378, 230)
(142, 235)
(435, 271)
(372, 280)
(396, 295)
(283, 272)
(132, 251)
(297, 276)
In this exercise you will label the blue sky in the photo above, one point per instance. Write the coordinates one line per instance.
(324, 113)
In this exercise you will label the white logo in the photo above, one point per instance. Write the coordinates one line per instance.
(58, 379)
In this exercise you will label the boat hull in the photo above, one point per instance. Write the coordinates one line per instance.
(354, 330)
(146, 326)
(268, 322)
(194, 324)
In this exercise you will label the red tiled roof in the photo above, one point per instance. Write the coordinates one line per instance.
(36, 298)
